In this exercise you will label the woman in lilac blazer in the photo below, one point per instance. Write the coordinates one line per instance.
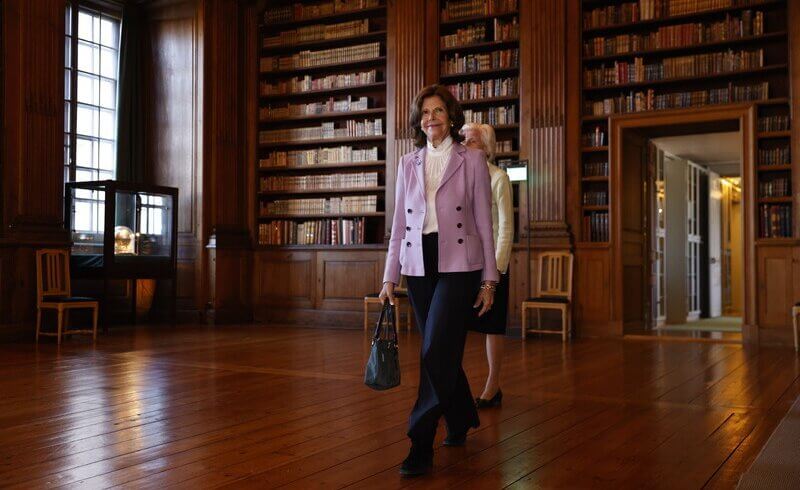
(442, 242)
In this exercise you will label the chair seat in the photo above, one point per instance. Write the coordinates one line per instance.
(66, 299)
(548, 299)
(396, 294)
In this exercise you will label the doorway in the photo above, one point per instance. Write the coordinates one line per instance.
(683, 240)
(696, 233)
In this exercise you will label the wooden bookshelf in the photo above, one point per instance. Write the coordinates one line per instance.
(367, 87)
(322, 141)
(380, 60)
(325, 43)
(324, 191)
(343, 126)
(783, 67)
(321, 216)
(370, 12)
(322, 166)
(486, 35)
(760, 25)
(693, 48)
(674, 19)
(325, 115)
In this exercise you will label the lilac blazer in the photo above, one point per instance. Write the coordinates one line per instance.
(463, 211)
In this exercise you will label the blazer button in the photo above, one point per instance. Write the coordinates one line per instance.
(408, 228)
(458, 225)
(408, 244)
(460, 240)
(458, 208)
(409, 211)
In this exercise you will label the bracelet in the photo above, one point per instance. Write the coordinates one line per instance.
(489, 287)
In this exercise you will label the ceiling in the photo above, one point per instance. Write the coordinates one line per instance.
(720, 152)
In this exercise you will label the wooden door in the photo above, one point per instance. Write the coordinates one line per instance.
(635, 245)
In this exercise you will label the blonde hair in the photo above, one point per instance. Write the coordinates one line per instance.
(487, 138)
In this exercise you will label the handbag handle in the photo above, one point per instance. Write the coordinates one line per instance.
(387, 312)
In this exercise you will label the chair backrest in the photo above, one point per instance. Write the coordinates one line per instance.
(52, 273)
(555, 275)
(402, 287)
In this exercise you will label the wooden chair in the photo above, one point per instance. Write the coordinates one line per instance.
(555, 293)
(796, 322)
(400, 301)
(54, 293)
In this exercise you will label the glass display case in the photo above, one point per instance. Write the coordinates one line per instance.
(121, 230)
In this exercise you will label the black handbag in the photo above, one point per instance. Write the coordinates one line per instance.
(383, 367)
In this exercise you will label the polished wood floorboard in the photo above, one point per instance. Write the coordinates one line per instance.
(263, 407)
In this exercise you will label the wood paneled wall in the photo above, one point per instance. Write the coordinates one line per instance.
(32, 174)
(173, 44)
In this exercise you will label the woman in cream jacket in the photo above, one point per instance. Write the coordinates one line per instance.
(493, 324)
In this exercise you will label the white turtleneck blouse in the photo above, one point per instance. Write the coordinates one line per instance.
(436, 159)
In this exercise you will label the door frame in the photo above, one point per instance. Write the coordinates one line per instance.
(745, 114)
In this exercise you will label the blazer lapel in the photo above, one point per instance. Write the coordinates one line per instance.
(456, 160)
(419, 171)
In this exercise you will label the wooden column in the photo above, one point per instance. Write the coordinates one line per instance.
(32, 151)
(546, 43)
(224, 166)
(411, 38)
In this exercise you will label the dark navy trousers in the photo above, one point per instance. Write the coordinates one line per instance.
(442, 305)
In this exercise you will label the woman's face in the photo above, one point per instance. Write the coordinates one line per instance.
(435, 121)
(472, 139)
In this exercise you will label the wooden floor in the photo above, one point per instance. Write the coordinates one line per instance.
(257, 407)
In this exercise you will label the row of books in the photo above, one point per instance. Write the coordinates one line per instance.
(774, 156)
(319, 156)
(300, 11)
(470, 63)
(307, 83)
(775, 222)
(493, 115)
(495, 87)
(324, 181)
(504, 146)
(777, 187)
(653, 9)
(502, 30)
(327, 130)
(774, 123)
(347, 104)
(309, 59)
(649, 100)
(464, 36)
(679, 67)
(595, 227)
(595, 169)
(340, 231)
(460, 9)
(733, 27)
(595, 138)
(318, 32)
(330, 205)
(595, 198)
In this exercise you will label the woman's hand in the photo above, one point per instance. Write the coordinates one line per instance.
(485, 300)
(387, 292)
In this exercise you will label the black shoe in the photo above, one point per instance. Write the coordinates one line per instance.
(455, 439)
(494, 401)
(418, 462)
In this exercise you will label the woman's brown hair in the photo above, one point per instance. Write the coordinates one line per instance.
(454, 112)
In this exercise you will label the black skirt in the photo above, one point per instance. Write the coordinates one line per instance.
(494, 321)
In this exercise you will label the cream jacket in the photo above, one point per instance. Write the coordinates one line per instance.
(502, 216)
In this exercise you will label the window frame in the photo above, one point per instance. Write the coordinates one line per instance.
(106, 8)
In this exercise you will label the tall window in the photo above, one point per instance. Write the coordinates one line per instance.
(90, 109)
